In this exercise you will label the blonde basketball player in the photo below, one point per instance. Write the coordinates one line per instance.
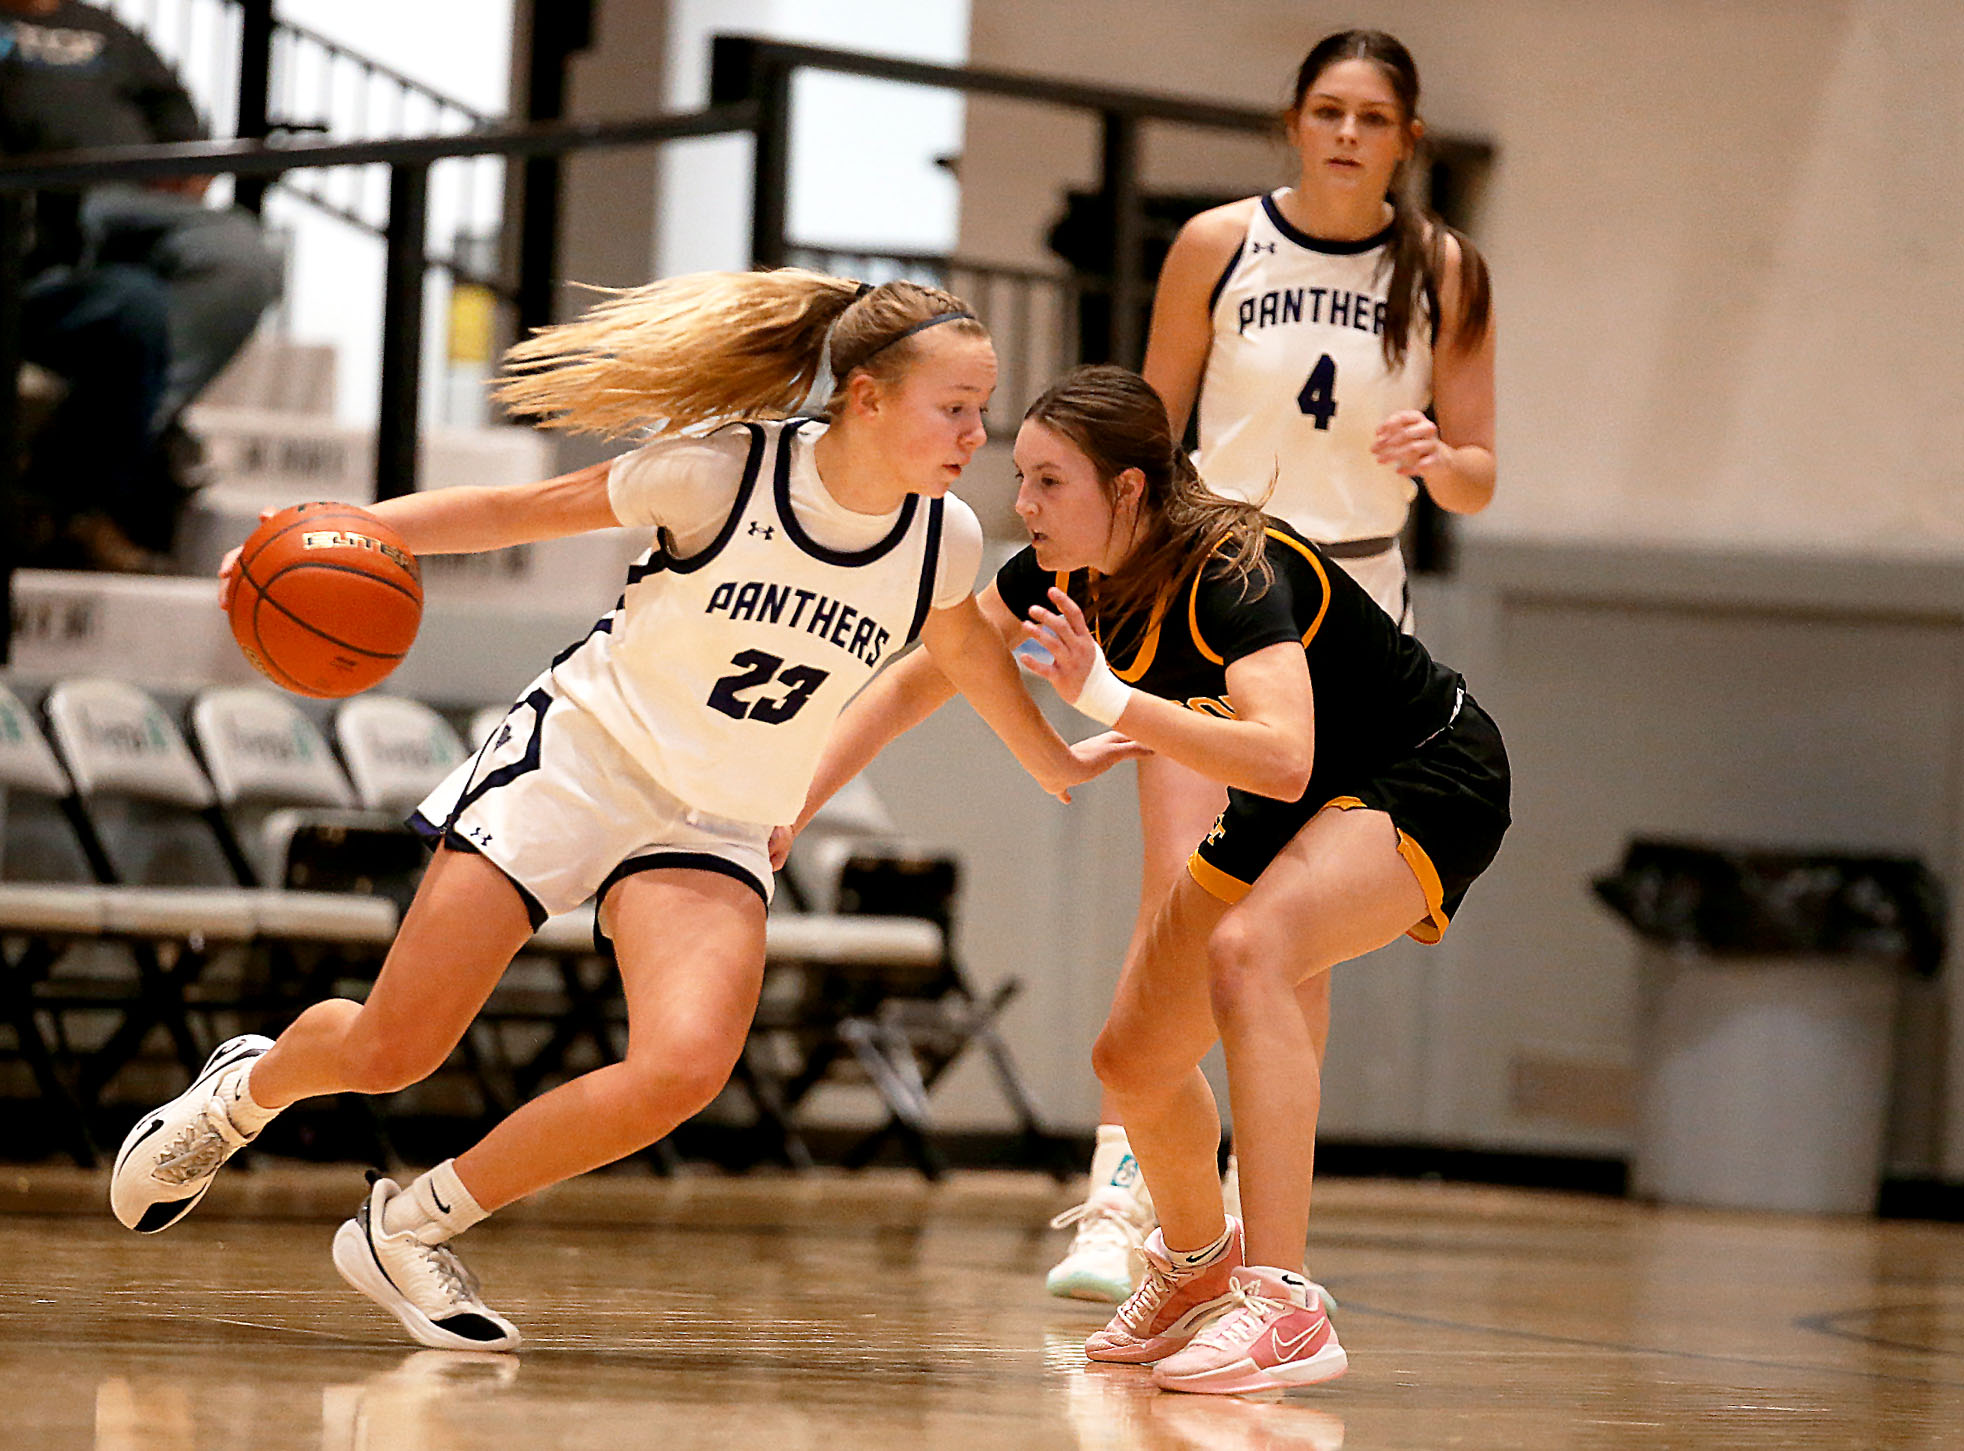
(646, 765)
(1314, 326)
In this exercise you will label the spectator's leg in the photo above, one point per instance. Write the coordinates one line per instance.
(221, 273)
(106, 332)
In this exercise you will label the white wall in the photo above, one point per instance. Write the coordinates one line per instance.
(862, 151)
(1723, 235)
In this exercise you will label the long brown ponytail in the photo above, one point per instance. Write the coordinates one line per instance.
(1419, 257)
(715, 345)
(1116, 420)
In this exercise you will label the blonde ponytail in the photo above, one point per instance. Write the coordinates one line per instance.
(709, 346)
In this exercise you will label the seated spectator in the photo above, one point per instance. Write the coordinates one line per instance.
(93, 461)
(73, 77)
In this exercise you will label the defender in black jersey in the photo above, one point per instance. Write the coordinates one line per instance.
(1366, 791)
(1395, 730)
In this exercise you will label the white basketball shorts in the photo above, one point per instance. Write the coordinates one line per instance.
(555, 803)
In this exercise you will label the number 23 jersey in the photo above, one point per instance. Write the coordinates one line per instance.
(1297, 383)
(740, 637)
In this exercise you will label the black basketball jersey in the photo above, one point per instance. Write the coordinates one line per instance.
(1378, 693)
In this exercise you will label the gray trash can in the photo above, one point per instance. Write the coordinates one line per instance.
(1768, 983)
(1764, 1081)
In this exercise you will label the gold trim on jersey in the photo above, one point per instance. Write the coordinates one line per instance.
(1193, 599)
(1142, 657)
(1433, 925)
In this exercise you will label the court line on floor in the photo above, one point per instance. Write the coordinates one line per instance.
(1822, 1324)
(1542, 1337)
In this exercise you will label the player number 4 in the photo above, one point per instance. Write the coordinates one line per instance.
(758, 668)
(1318, 398)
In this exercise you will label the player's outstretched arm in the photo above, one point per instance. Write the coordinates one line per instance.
(915, 686)
(472, 518)
(974, 655)
(896, 700)
(1266, 748)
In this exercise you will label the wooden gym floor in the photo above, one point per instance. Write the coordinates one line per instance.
(873, 1311)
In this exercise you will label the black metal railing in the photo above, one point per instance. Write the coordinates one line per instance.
(255, 74)
(408, 163)
(1099, 310)
(750, 91)
(743, 68)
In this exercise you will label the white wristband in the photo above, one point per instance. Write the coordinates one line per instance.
(1104, 696)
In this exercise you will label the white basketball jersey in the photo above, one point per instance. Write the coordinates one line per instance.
(1297, 384)
(722, 673)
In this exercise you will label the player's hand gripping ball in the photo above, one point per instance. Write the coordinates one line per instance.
(325, 599)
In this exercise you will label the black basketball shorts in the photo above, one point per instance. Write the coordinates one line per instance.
(1448, 800)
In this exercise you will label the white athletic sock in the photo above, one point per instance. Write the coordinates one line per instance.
(248, 1114)
(434, 1208)
(1194, 1259)
(1113, 1167)
(1300, 1284)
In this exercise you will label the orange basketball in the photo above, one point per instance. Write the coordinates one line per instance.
(327, 599)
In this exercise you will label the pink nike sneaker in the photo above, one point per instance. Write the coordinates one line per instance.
(1273, 1336)
(1169, 1306)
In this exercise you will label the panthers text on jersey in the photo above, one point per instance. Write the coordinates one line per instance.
(1297, 383)
(722, 672)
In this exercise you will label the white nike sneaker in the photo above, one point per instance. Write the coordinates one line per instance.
(1105, 1262)
(1106, 1257)
(425, 1286)
(169, 1159)
(1273, 1336)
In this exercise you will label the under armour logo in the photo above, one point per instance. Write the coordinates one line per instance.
(1220, 829)
(768, 531)
(1254, 247)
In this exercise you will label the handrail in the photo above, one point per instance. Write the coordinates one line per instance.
(732, 54)
(275, 155)
(749, 68)
(409, 163)
(387, 72)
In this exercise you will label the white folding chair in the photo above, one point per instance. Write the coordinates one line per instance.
(867, 976)
(396, 749)
(272, 770)
(42, 922)
(141, 809)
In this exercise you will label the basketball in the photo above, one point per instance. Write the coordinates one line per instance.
(326, 600)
